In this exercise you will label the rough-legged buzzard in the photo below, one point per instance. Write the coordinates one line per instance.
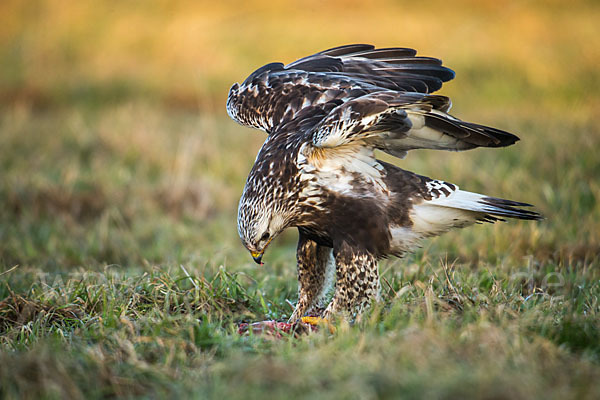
(325, 114)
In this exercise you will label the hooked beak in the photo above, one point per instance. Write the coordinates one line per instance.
(257, 256)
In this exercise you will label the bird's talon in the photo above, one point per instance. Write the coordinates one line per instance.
(313, 320)
(316, 321)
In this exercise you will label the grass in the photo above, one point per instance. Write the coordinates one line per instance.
(121, 274)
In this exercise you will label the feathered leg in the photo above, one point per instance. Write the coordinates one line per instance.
(314, 282)
(357, 283)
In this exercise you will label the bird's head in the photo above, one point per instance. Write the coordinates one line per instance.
(271, 199)
(259, 222)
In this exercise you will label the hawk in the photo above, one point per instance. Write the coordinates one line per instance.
(325, 115)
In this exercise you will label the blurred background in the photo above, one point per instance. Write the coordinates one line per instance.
(115, 147)
(121, 271)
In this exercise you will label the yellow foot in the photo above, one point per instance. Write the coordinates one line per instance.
(314, 321)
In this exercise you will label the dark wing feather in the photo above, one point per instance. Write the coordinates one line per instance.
(308, 117)
(369, 65)
(474, 134)
(346, 49)
(275, 94)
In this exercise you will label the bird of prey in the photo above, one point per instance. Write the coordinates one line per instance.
(325, 115)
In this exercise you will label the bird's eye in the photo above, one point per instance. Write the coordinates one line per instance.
(265, 236)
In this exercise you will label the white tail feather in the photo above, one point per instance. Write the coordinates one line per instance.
(460, 199)
(461, 208)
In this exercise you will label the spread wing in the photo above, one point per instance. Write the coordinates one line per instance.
(276, 94)
(379, 98)
(397, 122)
